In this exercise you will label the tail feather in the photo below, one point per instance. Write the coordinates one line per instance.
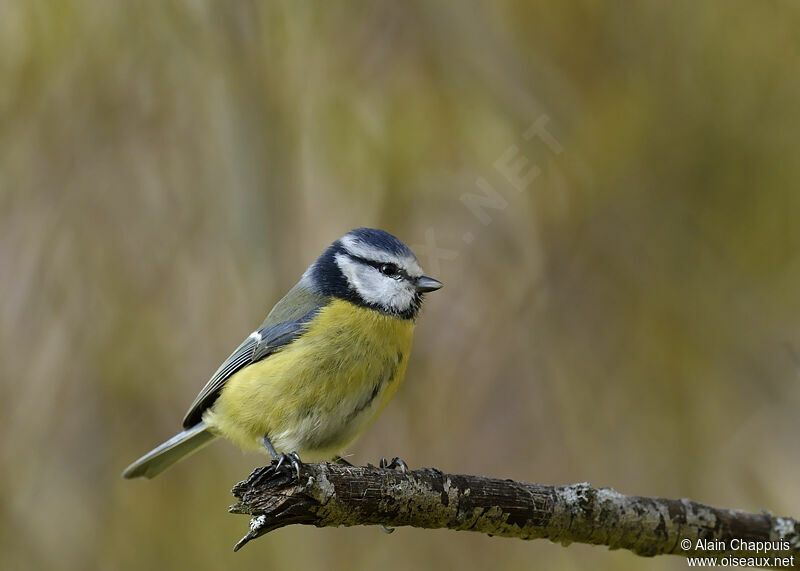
(166, 454)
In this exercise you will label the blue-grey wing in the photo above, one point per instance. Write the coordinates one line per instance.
(272, 336)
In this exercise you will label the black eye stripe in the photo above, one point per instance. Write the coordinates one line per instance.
(377, 265)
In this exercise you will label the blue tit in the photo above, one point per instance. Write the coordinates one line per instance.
(327, 359)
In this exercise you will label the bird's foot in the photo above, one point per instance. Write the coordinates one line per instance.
(291, 458)
(394, 464)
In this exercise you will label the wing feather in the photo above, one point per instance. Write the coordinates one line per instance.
(260, 344)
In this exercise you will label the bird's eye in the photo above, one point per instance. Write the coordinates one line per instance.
(389, 270)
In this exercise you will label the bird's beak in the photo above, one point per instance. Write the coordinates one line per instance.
(425, 284)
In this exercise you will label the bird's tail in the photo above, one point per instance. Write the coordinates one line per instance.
(166, 454)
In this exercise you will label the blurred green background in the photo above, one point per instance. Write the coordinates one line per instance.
(629, 318)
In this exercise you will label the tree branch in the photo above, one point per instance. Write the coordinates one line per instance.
(333, 495)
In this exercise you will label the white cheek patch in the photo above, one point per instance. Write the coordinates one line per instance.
(374, 287)
(357, 248)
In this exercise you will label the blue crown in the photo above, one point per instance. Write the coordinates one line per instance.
(382, 240)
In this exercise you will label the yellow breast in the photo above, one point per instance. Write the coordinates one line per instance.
(319, 392)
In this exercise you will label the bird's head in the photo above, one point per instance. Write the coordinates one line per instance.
(371, 268)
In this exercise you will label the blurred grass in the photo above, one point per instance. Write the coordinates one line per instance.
(168, 170)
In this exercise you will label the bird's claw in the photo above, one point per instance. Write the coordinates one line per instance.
(394, 464)
(291, 458)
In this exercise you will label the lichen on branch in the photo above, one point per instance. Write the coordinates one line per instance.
(330, 495)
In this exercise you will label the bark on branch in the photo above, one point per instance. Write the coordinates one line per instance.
(334, 495)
